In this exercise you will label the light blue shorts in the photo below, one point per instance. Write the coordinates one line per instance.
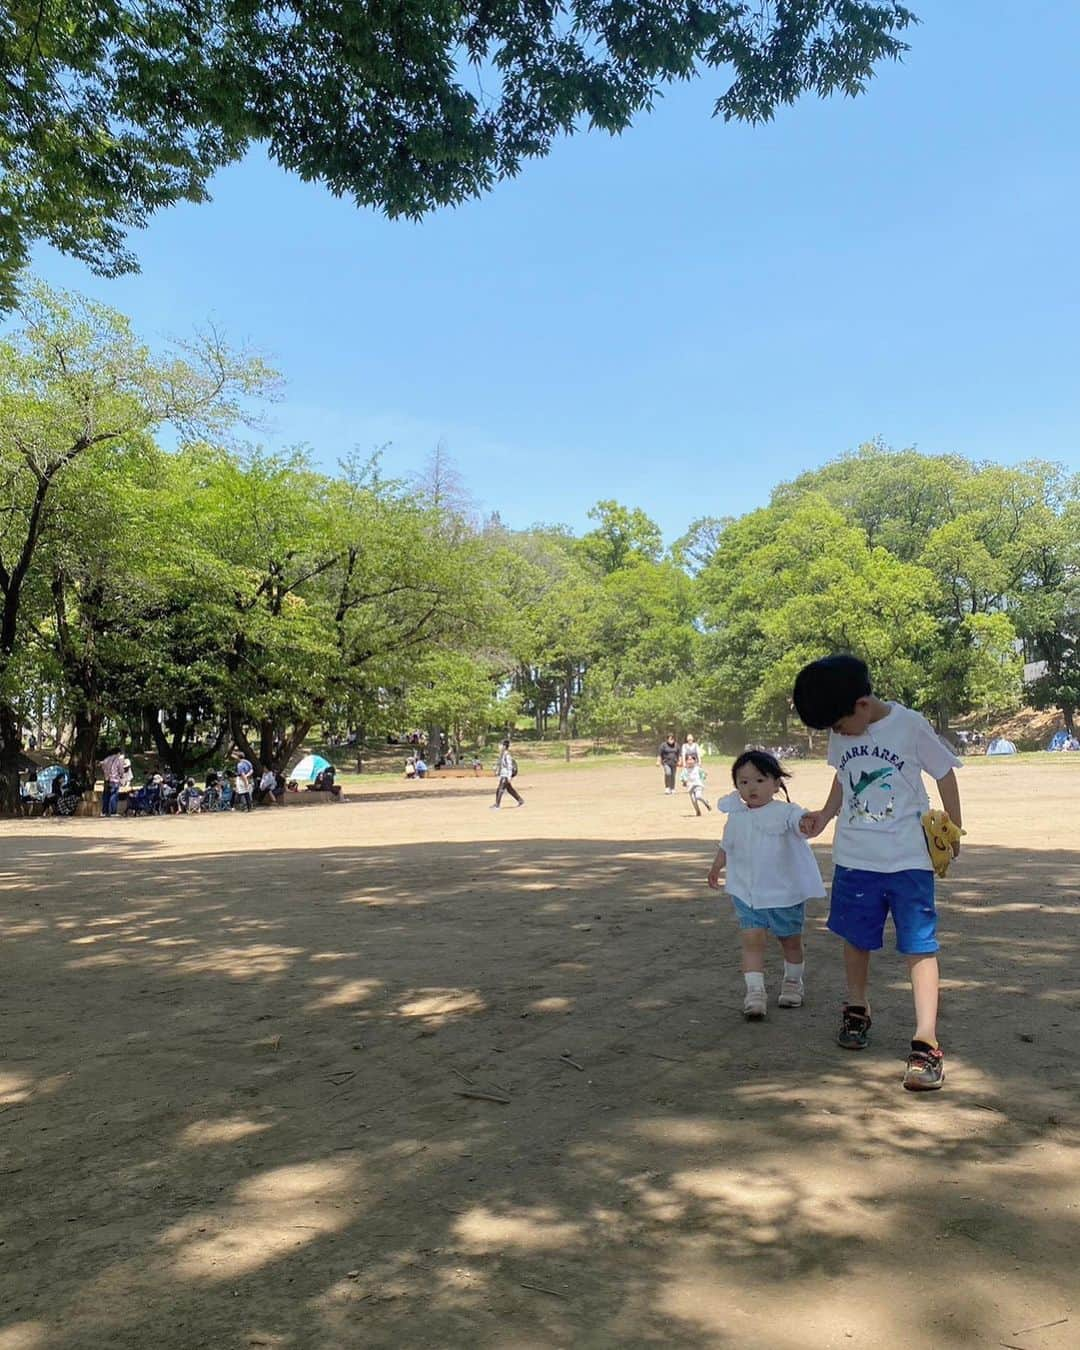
(782, 923)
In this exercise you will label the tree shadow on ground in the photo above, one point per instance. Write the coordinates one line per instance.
(232, 1110)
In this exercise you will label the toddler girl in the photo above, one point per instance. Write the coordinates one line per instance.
(693, 777)
(771, 873)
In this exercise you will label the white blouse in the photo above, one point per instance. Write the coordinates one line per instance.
(769, 863)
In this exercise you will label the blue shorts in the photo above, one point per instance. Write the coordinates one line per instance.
(783, 923)
(861, 901)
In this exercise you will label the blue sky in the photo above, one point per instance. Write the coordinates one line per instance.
(682, 317)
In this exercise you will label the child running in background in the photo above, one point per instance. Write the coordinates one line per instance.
(771, 873)
(693, 775)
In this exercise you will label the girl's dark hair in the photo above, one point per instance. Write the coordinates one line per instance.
(765, 763)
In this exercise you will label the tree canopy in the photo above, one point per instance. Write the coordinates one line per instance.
(112, 110)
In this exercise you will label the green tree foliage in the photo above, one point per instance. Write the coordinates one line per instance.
(1047, 612)
(996, 540)
(214, 597)
(794, 581)
(645, 648)
(622, 536)
(80, 396)
(109, 111)
(459, 691)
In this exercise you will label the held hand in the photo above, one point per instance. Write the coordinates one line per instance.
(714, 879)
(956, 848)
(812, 824)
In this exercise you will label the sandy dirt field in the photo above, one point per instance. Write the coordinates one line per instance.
(235, 1054)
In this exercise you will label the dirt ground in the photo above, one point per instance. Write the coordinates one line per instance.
(235, 1054)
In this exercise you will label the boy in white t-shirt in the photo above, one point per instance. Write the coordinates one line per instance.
(880, 751)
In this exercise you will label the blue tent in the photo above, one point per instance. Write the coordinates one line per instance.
(1000, 746)
(309, 768)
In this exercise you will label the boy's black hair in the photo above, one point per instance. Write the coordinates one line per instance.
(765, 763)
(827, 690)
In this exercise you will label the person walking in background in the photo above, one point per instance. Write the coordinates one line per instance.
(245, 782)
(506, 770)
(268, 788)
(690, 750)
(112, 774)
(667, 757)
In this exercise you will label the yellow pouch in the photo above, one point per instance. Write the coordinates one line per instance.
(941, 834)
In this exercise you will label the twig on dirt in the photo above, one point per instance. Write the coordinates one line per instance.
(572, 1062)
(463, 1076)
(338, 1079)
(541, 1290)
(1042, 1326)
(485, 1097)
(674, 1059)
(983, 1107)
(1009, 1345)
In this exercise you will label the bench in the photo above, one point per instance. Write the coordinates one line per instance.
(305, 798)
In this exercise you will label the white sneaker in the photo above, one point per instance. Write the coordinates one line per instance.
(755, 1005)
(791, 994)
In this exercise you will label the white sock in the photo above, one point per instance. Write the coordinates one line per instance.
(794, 972)
(755, 979)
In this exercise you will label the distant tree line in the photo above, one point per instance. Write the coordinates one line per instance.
(166, 583)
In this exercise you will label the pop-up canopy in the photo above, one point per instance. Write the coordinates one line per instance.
(309, 768)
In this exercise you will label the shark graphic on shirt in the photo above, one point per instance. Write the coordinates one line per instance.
(860, 807)
(865, 780)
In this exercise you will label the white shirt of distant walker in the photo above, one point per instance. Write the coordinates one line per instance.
(879, 827)
(689, 752)
(769, 863)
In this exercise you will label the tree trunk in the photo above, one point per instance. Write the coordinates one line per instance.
(276, 745)
(84, 744)
(10, 751)
(1068, 713)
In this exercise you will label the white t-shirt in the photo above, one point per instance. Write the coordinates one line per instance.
(879, 828)
(769, 863)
